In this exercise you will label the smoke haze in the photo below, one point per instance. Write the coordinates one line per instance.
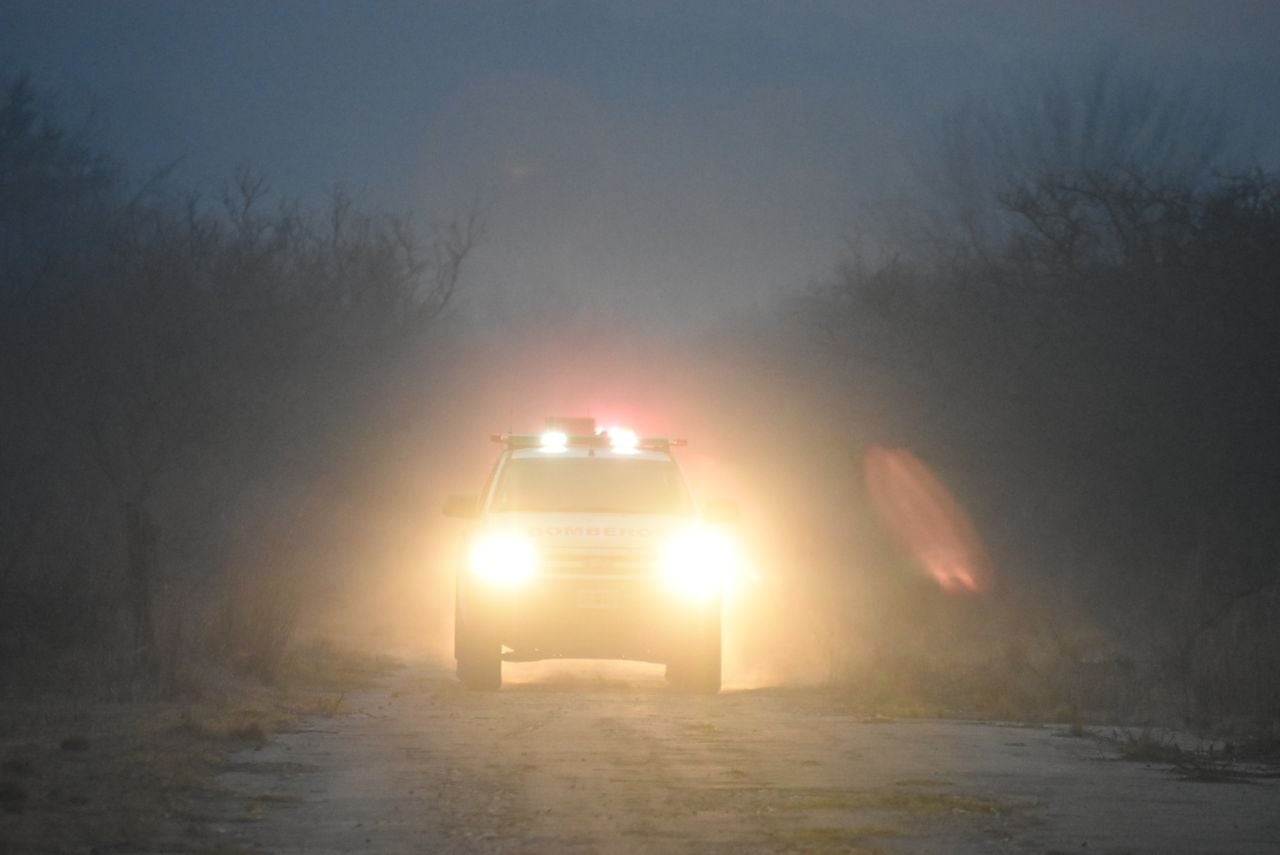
(747, 224)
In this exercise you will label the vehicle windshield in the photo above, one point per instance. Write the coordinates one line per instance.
(601, 485)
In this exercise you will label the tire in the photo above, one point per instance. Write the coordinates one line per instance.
(697, 670)
(479, 656)
(480, 664)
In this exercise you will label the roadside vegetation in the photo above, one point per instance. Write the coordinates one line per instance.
(85, 774)
(183, 385)
(1072, 324)
(1075, 326)
(184, 381)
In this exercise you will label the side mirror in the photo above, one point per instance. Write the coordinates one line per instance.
(722, 511)
(463, 507)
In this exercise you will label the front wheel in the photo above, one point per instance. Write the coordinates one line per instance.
(480, 665)
(479, 655)
(697, 667)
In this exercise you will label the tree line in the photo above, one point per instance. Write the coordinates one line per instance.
(1074, 323)
(1079, 327)
(180, 377)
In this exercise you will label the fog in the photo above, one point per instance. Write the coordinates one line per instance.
(665, 218)
(670, 162)
(512, 378)
(951, 305)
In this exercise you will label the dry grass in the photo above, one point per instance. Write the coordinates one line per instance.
(108, 775)
(1150, 746)
(76, 774)
(322, 666)
(1203, 763)
(911, 802)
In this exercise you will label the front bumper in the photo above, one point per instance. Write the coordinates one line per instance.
(584, 616)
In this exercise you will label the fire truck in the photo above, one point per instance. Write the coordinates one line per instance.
(586, 543)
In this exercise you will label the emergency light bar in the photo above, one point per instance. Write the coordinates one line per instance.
(563, 432)
(554, 441)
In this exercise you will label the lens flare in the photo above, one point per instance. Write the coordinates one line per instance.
(926, 520)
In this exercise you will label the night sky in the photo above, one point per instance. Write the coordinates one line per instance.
(668, 161)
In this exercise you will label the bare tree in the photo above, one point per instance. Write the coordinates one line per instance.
(1081, 325)
(1047, 131)
(172, 349)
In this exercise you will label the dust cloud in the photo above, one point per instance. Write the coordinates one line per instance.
(754, 438)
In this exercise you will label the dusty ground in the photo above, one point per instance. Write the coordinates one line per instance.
(614, 762)
(113, 777)
(85, 775)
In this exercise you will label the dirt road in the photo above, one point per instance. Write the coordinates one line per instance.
(614, 762)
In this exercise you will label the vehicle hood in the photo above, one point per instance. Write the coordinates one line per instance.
(601, 531)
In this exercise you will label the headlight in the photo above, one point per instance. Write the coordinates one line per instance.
(503, 558)
(698, 561)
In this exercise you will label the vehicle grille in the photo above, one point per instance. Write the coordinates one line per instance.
(597, 562)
